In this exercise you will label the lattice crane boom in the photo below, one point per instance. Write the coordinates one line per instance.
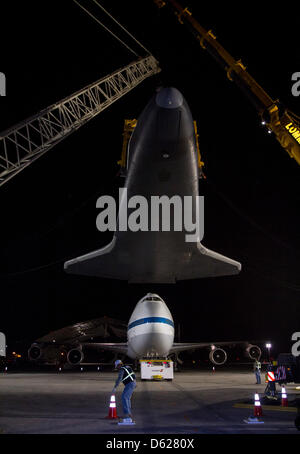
(25, 142)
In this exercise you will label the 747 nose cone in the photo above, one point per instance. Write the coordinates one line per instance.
(169, 98)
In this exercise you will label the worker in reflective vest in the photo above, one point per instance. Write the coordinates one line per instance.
(127, 376)
(257, 369)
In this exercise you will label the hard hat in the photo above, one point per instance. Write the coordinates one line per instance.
(117, 362)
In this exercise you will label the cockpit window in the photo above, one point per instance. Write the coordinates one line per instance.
(152, 298)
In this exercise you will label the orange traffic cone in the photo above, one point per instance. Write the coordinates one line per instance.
(284, 400)
(257, 406)
(112, 414)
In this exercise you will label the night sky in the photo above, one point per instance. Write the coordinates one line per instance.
(252, 192)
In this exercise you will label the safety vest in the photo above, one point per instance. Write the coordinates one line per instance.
(129, 377)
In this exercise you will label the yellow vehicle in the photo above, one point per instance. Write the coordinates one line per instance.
(156, 369)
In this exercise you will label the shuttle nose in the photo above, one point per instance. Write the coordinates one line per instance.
(169, 98)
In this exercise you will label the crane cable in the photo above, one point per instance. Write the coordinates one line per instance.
(123, 28)
(106, 28)
(294, 117)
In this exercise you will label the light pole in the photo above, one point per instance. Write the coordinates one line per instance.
(268, 346)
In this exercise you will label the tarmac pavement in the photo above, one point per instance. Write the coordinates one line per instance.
(195, 402)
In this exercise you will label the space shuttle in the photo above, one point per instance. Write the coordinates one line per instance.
(162, 160)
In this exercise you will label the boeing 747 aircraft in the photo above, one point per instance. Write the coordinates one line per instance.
(150, 335)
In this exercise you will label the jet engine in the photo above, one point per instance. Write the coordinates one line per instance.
(35, 352)
(44, 353)
(75, 356)
(218, 356)
(253, 352)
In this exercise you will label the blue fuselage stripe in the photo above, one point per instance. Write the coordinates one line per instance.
(141, 321)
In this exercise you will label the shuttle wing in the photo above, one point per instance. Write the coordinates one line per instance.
(106, 262)
(206, 263)
(115, 263)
